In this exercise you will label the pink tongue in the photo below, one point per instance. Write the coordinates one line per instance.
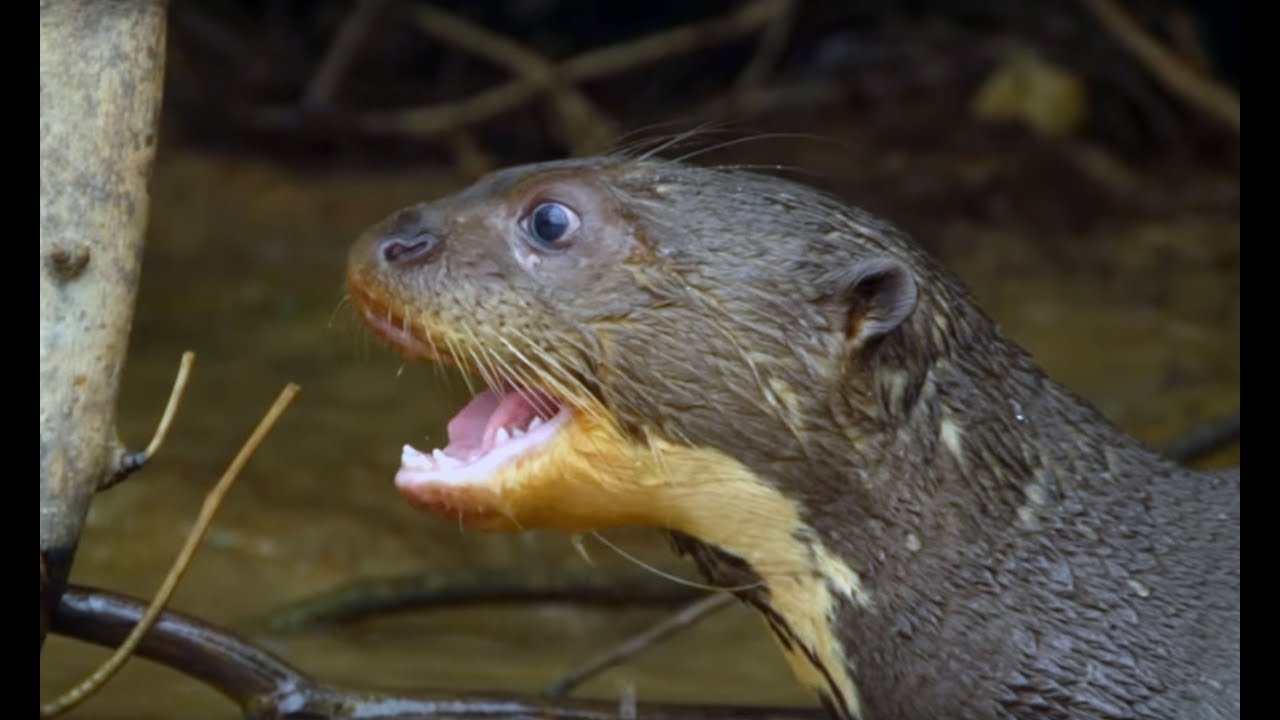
(472, 431)
(466, 429)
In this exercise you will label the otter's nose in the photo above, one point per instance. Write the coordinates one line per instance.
(408, 247)
(406, 239)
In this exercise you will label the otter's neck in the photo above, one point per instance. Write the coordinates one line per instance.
(951, 410)
(926, 521)
(956, 454)
(950, 429)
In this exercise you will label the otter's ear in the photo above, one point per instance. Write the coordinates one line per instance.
(881, 294)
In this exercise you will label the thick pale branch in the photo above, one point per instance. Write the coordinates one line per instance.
(101, 73)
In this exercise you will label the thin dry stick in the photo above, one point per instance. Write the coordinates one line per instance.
(129, 462)
(1186, 41)
(749, 18)
(681, 39)
(639, 642)
(1211, 98)
(582, 125)
(212, 501)
(355, 28)
(772, 41)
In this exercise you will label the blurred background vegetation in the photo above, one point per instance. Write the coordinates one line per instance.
(1091, 201)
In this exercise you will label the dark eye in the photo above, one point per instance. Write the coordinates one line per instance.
(550, 225)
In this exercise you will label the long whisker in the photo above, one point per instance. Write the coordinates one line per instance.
(635, 139)
(429, 338)
(519, 379)
(559, 377)
(490, 378)
(762, 136)
(673, 578)
(582, 398)
(344, 300)
(698, 131)
(457, 358)
(490, 382)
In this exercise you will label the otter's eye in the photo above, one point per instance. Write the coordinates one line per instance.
(550, 225)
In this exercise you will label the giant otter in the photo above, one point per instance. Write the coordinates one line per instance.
(823, 417)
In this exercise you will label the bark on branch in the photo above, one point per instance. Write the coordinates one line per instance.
(267, 688)
(101, 71)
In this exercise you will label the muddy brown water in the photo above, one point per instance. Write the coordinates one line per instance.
(244, 264)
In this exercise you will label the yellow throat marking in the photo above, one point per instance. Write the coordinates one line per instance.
(592, 477)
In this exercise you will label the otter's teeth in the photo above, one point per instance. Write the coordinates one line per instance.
(412, 457)
(502, 436)
(516, 432)
(537, 420)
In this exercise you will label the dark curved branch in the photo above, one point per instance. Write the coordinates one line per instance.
(268, 688)
(373, 596)
(1204, 440)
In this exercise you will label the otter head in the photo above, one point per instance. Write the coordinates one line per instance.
(623, 313)
(662, 345)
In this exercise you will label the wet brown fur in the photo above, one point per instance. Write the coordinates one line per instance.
(1006, 551)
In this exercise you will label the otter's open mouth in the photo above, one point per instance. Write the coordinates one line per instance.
(496, 428)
